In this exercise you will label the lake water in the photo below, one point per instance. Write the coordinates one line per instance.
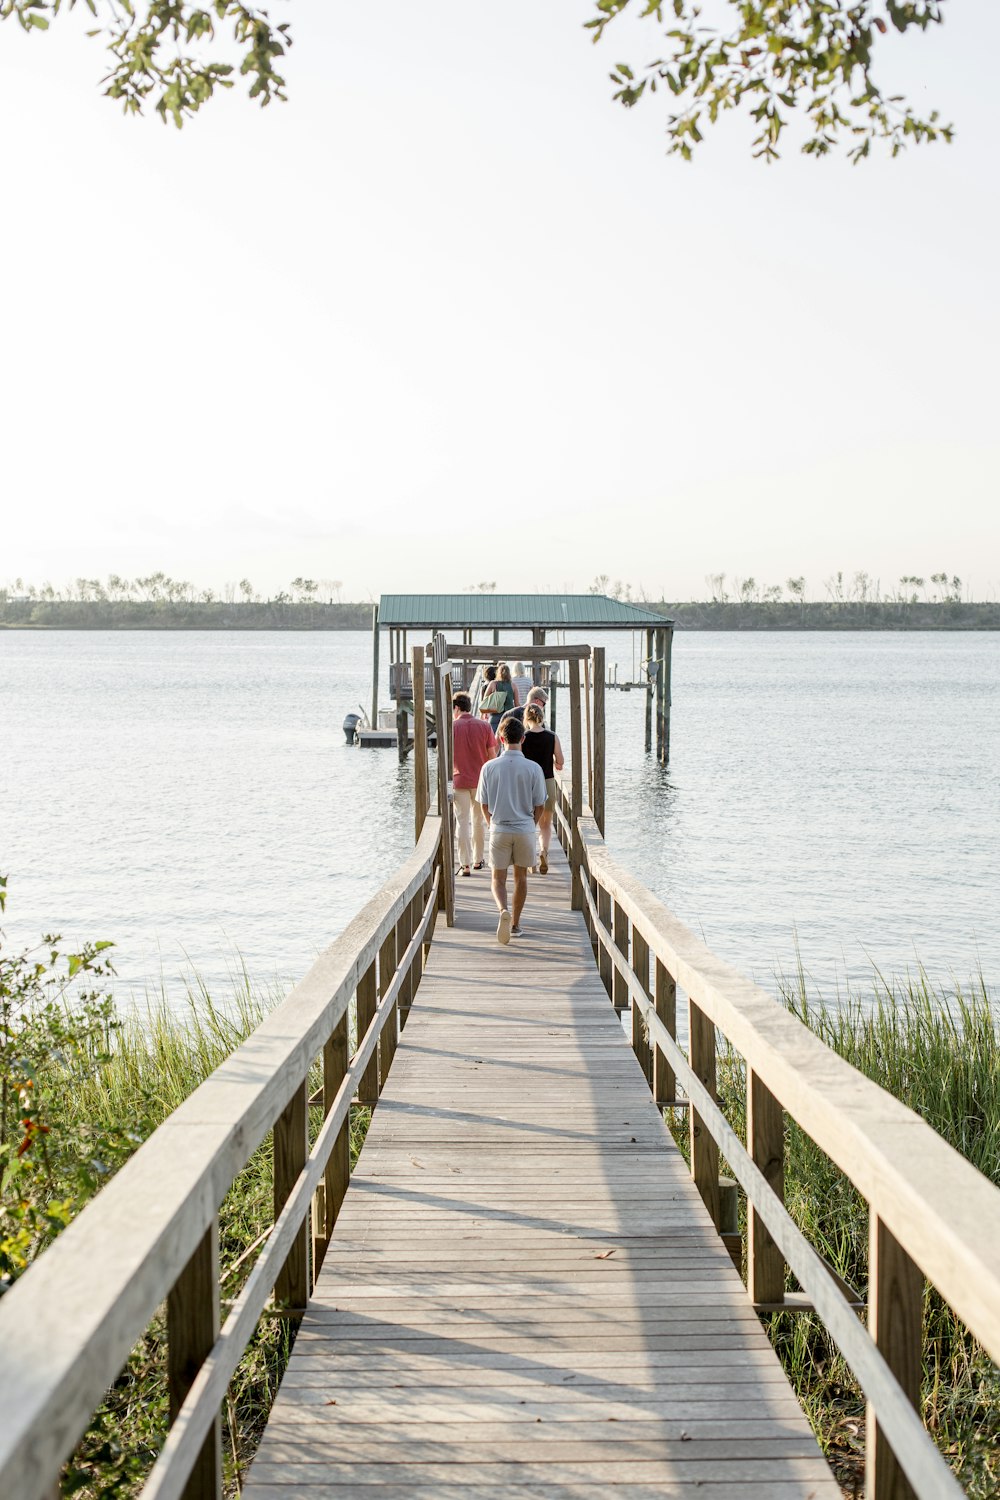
(191, 796)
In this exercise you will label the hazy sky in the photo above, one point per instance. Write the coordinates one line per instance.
(450, 315)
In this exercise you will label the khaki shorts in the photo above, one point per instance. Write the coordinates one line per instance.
(509, 848)
(550, 794)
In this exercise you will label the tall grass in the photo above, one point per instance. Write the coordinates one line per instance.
(938, 1053)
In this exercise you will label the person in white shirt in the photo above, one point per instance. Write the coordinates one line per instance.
(522, 683)
(511, 793)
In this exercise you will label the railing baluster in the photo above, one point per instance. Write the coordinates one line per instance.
(404, 932)
(291, 1147)
(192, 1328)
(417, 966)
(895, 1321)
(366, 999)
(766, 1145)
(604, 957)
(640, 965)
(621, 943)
(338, 1168)
(665, 1000)
(704, 1151)
(387, 1041)
(576, 783)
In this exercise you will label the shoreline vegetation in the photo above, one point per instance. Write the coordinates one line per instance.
(275, 614)
(158, 602)
(83, 1084)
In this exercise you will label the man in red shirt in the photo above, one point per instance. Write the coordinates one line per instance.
(475, 744)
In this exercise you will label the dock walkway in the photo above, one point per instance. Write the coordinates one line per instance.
(524, 1294)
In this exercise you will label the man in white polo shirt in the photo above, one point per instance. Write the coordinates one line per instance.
(511, 793)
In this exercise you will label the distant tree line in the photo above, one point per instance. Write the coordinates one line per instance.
(159, 588)
(159, 602)
(860, 588)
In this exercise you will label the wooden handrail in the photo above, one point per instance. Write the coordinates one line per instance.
(924, 1466)
(932, 1213)
(944, 1213)
(86, 1301)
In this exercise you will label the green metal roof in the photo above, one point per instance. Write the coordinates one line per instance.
(513, 612)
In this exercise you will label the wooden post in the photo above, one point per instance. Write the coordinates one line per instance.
(415, 973)
(621, 995)
(576, 805)
(537, 639)
(665, 1000)
(338, 1168)
(404, 932)
(665, 670)
(600, 774)
(402, 735)
(553, 685)
(766, 1144)
(650, 685)
(386, 971)
(375, 639)
(291, 1147)
(192, 1329)
(366, 998)
(590, 750)
(895, 1322)
(659, 695)
(442, 718)
(704, 1151)
(604, 963)
(421, 788)
(640, 966)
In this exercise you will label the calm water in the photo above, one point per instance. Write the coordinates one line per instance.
(191, 796)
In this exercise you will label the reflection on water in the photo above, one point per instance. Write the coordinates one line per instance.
(191, 796)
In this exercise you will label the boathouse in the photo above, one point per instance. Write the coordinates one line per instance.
(548, 617)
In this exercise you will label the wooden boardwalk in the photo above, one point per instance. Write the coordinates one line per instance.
(524, 1294)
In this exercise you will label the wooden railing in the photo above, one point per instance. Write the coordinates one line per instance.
(932, 1214)
(152, 1235)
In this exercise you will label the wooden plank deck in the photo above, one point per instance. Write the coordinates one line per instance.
(524, 1295)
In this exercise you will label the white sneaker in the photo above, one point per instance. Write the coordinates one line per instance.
(503, 928)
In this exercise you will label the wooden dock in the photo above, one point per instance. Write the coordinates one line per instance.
(525, 1289)
(524, 1293)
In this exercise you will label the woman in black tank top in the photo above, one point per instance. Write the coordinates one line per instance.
(542, 746)
(539, 745)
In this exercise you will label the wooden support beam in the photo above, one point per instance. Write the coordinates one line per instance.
(387, 1040)
(192, 1329)
(895, 1322)
(604, 963)
(766, 1145)
(704, 1151)
(421, 785)
(338, 1168)
(600, 743)
(291, 1147)
(538, 643)
(416, 969)
(586, 720)
(576, 802)
(551, 652)
(650, 689)
(665, 1000)
(445, 750)
(404, 932)
(621, 1000)
(668, 645)
(375, 646)
(640, 967)
(366, 1000)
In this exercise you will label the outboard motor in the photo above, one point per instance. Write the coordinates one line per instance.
(351, 723)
